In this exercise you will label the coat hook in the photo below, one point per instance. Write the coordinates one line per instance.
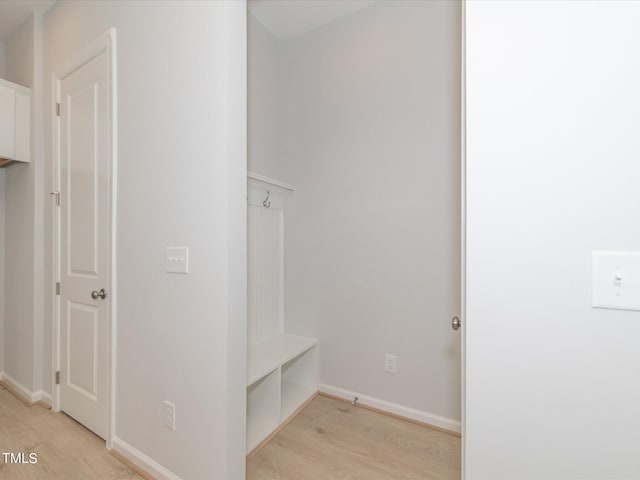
(267, 202)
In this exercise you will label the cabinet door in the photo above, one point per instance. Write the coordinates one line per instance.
(7, 122)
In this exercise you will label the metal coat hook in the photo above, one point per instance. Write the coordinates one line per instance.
(267, 202)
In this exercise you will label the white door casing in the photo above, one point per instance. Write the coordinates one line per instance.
(85, 166)
(463, 243)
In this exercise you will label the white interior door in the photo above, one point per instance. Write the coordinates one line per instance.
(84, 167)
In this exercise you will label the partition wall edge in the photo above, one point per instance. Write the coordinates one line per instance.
(463, 240)
(237, 246)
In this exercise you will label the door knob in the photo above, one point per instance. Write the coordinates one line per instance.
(455, 323)
(101, 294)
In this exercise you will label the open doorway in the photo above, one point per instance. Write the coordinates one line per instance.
(354, 221)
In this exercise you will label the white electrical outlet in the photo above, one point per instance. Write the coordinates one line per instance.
(169, 415)
(390, 363)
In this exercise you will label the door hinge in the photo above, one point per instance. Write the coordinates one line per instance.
(57, 288)
(57, 109)
(58, 378)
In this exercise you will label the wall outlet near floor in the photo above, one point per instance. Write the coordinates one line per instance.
(169, 415)
(390, 363)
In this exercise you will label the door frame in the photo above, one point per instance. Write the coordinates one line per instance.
(463, 242)
(104, 43)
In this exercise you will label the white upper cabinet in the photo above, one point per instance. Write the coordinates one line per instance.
(15, 121)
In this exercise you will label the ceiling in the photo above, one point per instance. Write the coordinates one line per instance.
(14, 12)
(287, 19)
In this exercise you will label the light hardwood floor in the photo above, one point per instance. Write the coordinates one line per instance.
(330, 439)
(65, 449)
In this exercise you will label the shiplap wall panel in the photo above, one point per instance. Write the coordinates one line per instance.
(265, 273)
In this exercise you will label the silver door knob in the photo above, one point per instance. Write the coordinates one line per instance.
(101, 294)
(456, 323)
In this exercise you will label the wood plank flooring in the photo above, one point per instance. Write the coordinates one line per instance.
(65, 449)
(331, 440)
(327, 440)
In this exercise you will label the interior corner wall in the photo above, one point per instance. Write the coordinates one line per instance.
(370, 129)
(19, 230)
(263, 97)
(42, 287)
(179, 337)
(553, 385)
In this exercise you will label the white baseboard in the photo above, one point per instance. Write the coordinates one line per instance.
(33, 397)
(141, 460)
(41, 396)
(17, 386)
(394, 408)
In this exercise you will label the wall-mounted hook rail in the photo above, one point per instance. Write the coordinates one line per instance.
(269, 182)
(56, 195)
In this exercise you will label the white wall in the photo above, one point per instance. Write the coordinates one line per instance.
(2, 235)
(263, 98)
(19, 230)
(2, 55)
(23, 247)
(181, 181)
(2, 267)
(370, 138)
(553, 385)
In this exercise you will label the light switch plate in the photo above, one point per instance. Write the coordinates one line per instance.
(616, 280)
(177, 260)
